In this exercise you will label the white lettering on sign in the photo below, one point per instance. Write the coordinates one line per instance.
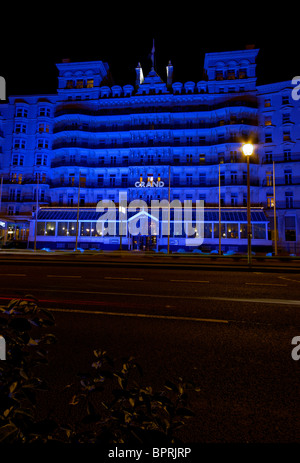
(159, 184)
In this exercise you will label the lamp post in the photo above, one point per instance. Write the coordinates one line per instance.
(248, 150)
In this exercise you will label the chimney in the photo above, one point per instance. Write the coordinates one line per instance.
(139, 74)
(169, 74)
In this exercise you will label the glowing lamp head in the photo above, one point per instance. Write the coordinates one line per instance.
(247, 149)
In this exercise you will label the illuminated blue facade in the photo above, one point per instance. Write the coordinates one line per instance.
(128, 141)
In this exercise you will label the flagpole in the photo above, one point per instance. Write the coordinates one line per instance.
(275, 224)
(169, 196)
(77, 219)
(219, 209)
(36, 208)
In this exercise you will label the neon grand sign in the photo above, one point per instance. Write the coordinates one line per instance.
(150, 183)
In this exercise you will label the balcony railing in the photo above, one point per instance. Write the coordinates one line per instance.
(173, 107)
(67, 127)
(149, 162)
(171, 142)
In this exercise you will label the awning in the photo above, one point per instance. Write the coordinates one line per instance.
(51, 214)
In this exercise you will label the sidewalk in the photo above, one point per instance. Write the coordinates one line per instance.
(184, 260)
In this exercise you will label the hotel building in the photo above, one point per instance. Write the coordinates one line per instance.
(153, 140)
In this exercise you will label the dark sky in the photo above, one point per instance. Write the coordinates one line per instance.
(34, 38)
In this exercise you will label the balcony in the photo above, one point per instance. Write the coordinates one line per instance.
(150, 142)
(172, 125)
(173, 107)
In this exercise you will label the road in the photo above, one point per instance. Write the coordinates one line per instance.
(230, 331)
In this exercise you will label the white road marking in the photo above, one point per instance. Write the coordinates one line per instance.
(13, 275)
(123, 278)
(64, 276)
(264, 284)
(171, 296)
(138, 315)
(191, 281)
(289, 279)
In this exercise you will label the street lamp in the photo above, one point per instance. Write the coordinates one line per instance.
(248, 150)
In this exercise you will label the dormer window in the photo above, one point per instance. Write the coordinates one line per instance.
(219, 75)
(44, 112)
(21, 112)
(242, 73)
(230, 74)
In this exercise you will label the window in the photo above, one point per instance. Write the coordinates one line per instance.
(285, 99)
(288, 176)
(20, 128)
(268, 138)
(270, 200)
(233, 156)
(286, 118)
(44, 112)
(286, 135)
(82, 200)
(112, 180)
(287, 155)
(230, 74)
(90, 83)
(234, 199)
(50, 228)
(269, 178)
(259, 231)
(176, 181)
(268, 120)
(19, 143)
(18, 160)
(124, 180)
(289, 200)
(82, 180)
(42, 143)
(189, 179)
(201, 158)
(202, 179)
(219, 75)
(70, 84)
(189, 158)
(21, 112)
(290, 228)
(41, 159)
(79, 83)
(100, 179)
(267, 103)
(232, 230)
(242, 73)
(269, 156)
(44, 128)
(233, 175)
(70, 200)
(71, 179)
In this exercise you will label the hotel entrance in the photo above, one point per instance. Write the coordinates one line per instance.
(144, 243)
(143, 229)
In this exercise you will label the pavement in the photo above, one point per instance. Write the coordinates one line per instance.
(186, 260)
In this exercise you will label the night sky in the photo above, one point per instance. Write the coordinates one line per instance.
(34, 38)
